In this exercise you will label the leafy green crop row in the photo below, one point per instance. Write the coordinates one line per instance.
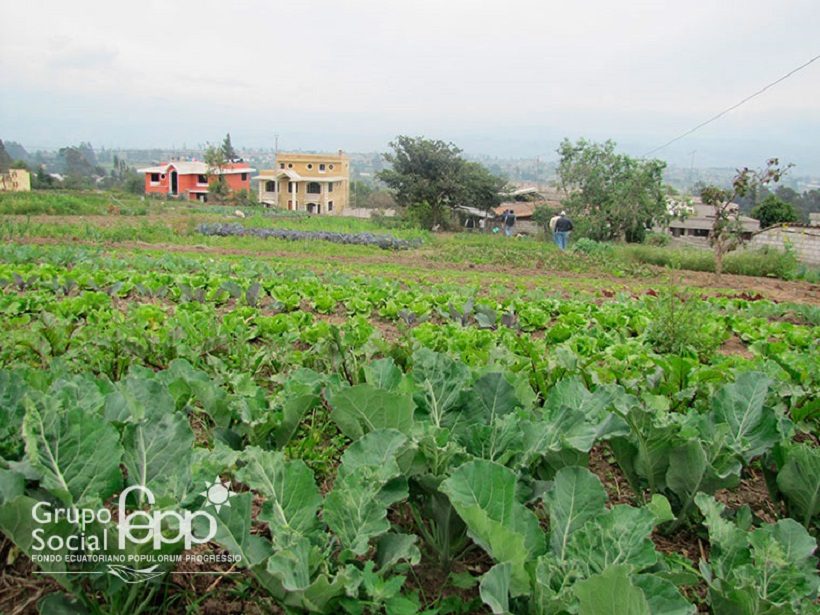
(372, 428)
(473, 453)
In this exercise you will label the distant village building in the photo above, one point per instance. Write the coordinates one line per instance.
(315, 183)
(15, 180)
(696, 220)
(190, 179)
(524, 222)
(524, 201)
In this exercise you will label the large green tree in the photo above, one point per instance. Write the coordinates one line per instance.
(431, 179)
(79, 170)
(87, 151)
(611, 195)
(773, 210)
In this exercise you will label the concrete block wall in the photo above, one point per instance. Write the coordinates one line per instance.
(805, 241)
(365, 212)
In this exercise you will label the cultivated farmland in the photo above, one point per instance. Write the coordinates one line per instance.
(471, 424)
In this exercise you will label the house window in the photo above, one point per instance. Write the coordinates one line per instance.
(154, 178)
(330, 167)
(314, 188)
(292, 187)
(310, 166)
(330, 205)
(244, 177)
(162, 176)
(322, 168)
(270, 186)
(290, 165)
(281, 165)
(330, 186)
(202, 179)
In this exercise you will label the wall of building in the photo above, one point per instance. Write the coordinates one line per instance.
(190, 182)
(160, 187)
(16, 180)
(308, 166)
(804, 240)
(525, 226)
(366, 212)
(186, 183)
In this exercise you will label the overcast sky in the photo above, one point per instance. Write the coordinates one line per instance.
(498, 78)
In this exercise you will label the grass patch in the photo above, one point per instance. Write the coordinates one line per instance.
(76, 203)
(764, 262)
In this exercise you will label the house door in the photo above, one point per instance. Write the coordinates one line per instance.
(174, 186)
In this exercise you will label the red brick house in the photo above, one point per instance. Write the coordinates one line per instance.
(190, 179)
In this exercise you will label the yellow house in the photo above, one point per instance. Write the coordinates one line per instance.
(315, 183)
(15, 180)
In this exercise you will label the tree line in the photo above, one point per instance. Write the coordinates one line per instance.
(611, 195)
(71, 167)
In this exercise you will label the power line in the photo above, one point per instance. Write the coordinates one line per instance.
(733, 107)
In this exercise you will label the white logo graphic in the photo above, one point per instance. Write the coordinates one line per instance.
(149, 525)
(134, 575)
(90, 544)
(217, 494)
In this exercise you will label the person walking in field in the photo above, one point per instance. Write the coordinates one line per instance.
(509, 222)
(563, 226)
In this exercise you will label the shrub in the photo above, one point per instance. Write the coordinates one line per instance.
(683, 323)
(420, 215)
(542, 214)
(593, 248)
(774, 210)
(656, 239)
(244, 198)
(378, 218)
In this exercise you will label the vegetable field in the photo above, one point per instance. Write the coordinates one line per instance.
(398, 443)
